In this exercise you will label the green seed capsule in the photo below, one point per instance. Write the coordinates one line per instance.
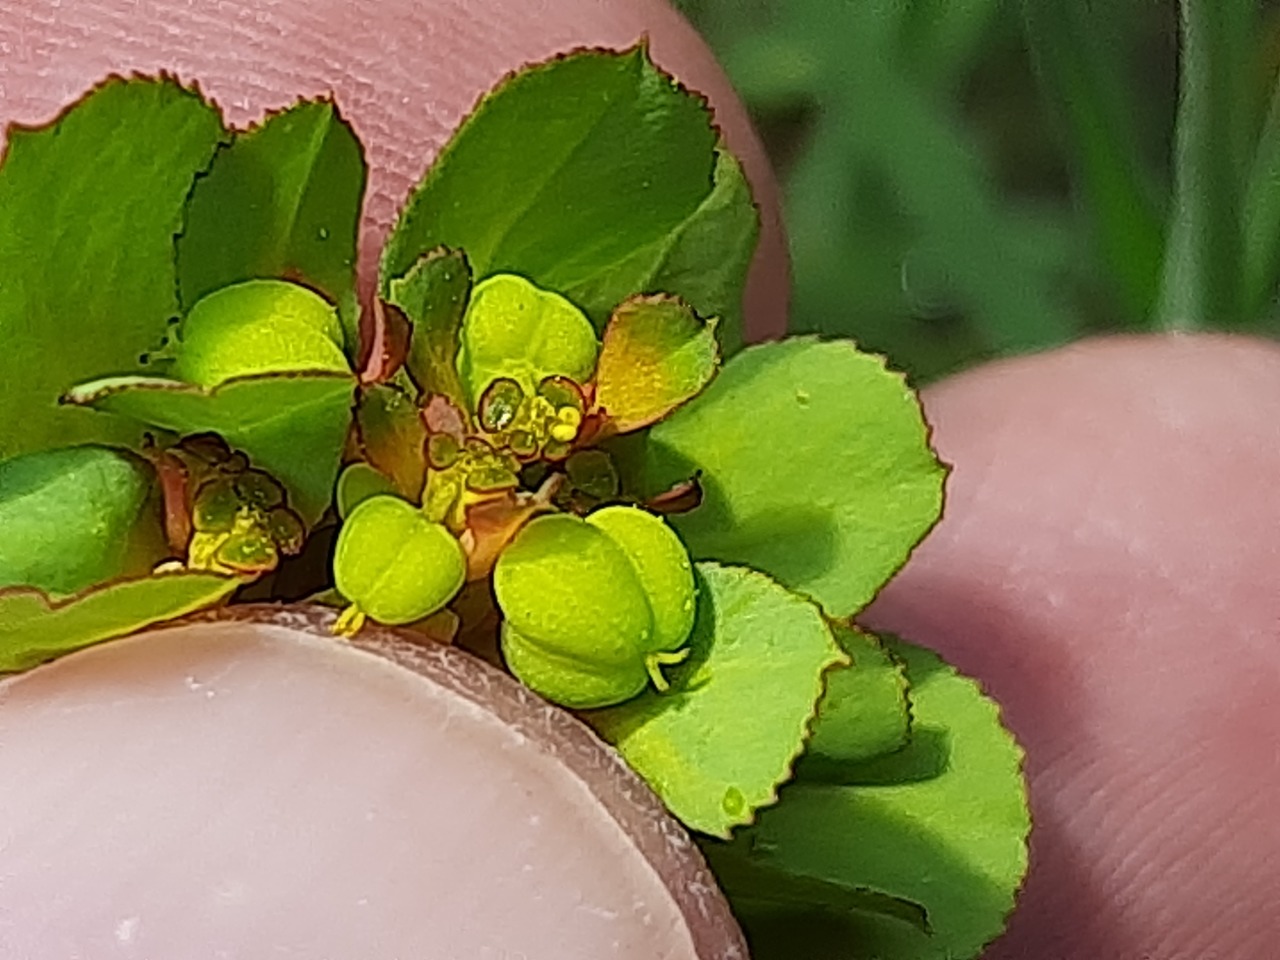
(662, 565)
(575, 683)
(78, 516)
(568, 587)
(594, 607)
(357, 483)
(259, 326)
(517, 331)
(394, 564)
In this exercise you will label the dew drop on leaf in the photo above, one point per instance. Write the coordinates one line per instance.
(734, 802)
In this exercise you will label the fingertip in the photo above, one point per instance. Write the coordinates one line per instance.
(1107, 567)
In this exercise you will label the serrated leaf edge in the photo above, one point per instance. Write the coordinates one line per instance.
(640, 48)
(1020, 764)
(904, 681)
(806, 725)
(17, 130)
(53, 604)
(945, 466)
(231, 137)
(710, 324)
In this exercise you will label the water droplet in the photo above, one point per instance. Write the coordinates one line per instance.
(323, 234)
(927, 284)
(734, 802)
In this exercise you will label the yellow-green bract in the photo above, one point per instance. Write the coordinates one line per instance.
(394, 564)
(259, 326)
(594, 608)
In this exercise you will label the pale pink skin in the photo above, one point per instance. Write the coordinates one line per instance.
(245, 786)
(1110, 561)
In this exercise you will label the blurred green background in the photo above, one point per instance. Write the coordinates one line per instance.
(965, 179)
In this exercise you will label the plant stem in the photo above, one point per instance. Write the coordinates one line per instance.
(1203, 280)
(1262, 214)
(1078, 64)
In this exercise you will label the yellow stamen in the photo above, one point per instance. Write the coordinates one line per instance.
(568, 420)
(349, 621)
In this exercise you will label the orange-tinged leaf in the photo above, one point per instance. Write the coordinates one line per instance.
(393, 437)
(657, 354)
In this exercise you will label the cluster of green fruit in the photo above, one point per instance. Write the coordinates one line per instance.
(593, 607)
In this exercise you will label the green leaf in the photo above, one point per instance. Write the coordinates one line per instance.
(865, 712)
(77, 516)
(716, 746)
(433, 296)
(580, 174)
(758, 889)
(942, 823)
(704, 261)
(814, 464)
(282, 200)
(393, 437)
(34, 628)
(88, 209)
(656, 355)
(293, 426)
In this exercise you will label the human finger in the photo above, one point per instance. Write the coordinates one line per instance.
(1109, 567)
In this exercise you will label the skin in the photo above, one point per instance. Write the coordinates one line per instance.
(1108, 564)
